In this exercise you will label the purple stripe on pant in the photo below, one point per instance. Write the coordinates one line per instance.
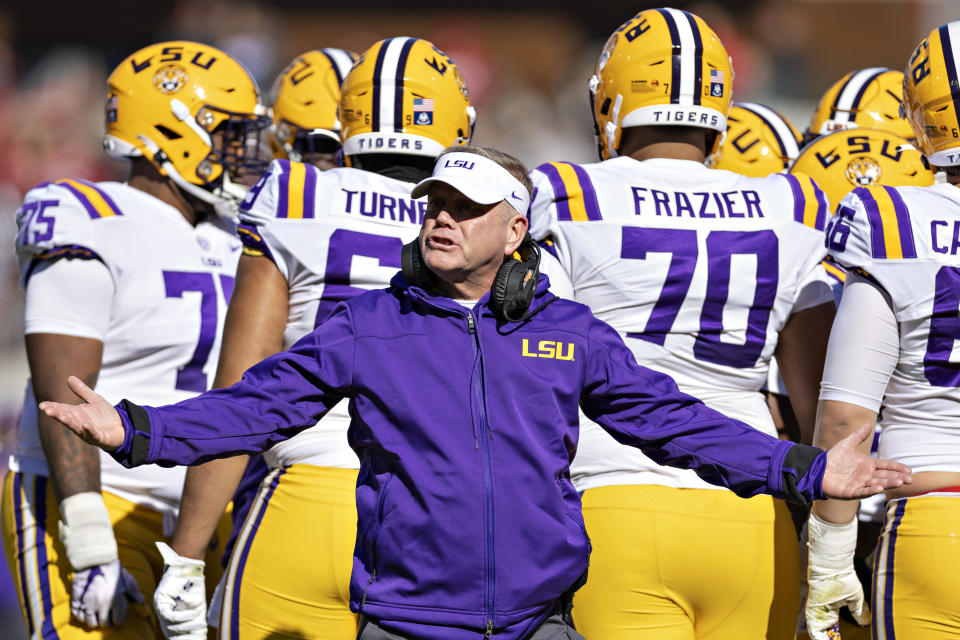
(21, 551)
(242, 560)
(887, 594)
(43, 570)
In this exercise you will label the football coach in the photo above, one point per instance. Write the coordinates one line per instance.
(464, 378)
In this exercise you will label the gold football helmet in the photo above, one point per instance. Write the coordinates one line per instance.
(844, 160)
(194, 113)
(306, 97)
(404, 96)
(866, 98)
(931, 89)
(662, 67)
(758, 141)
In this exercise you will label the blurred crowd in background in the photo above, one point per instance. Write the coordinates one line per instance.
(526, 65)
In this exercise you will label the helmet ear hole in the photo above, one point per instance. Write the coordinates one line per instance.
(605, 107)
(167, 132)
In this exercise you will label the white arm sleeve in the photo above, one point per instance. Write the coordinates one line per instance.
(864, 346)
(69, 297)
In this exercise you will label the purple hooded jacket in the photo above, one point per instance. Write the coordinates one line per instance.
(465, 427)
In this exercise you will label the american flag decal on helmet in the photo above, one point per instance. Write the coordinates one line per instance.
(716, 83)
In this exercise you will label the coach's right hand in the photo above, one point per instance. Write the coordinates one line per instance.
(95, 421)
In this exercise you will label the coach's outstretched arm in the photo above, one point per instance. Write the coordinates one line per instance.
(275, 400)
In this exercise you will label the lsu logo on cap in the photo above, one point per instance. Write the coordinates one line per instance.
(458, 164)
(423, 111)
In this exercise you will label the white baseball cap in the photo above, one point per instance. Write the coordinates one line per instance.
(478, 178)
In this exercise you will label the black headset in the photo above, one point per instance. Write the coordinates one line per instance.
(513, 287)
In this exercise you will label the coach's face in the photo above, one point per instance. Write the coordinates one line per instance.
(464, 242)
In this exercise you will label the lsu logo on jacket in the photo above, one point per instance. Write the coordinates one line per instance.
(548, 349)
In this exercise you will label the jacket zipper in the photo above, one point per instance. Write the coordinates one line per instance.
(487, 473)
(376, 538)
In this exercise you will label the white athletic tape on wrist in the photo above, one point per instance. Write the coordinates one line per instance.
(184, 566)
(86, 531)
(831, 546)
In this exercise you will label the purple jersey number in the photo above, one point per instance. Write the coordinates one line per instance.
(721, 247)
(191, 377)
(938, 369)
(34, 212)
(838, 230)
(636, 242)
(344, 245)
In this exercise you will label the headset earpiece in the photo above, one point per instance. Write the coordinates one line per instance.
(415, 270)
(516, 282)
(513, 287)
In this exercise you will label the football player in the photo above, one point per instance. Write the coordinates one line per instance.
(840, 162)
(306, 96)
(306, 128)
(129, 283)
(758, 141)
(893, 344)
(706, 274)
(866, 98)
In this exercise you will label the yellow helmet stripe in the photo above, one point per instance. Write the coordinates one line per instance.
(388, 73)
(951, 62)
(851, 93)
(687, 78)
(96, 201)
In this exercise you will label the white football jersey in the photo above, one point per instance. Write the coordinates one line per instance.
(333, 235)
(907, 240)
(699, 269)
(172, 282)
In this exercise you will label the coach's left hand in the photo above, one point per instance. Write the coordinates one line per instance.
(850, 475)
(95, 420)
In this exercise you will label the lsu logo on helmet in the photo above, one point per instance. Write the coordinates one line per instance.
(930, 102)
(662, 67)
(758, 141)
(306, 99)
(404, 96)
(866, 98)
(194, 113)
(845, 160)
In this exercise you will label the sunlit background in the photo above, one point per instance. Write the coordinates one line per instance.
(526, 64)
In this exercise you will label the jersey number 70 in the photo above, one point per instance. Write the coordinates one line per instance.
(721, 247)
